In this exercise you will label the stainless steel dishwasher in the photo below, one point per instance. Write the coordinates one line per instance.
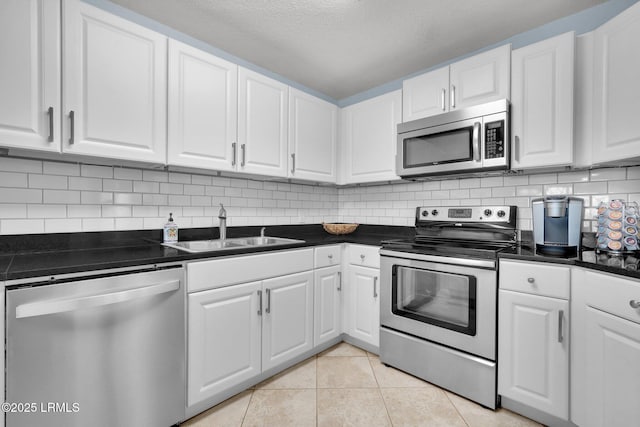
(101, 351)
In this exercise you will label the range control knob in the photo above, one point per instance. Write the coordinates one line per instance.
(434, 212)
(425, 213)
(488, 212)
(501, 213)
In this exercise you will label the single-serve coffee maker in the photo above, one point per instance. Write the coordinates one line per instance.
(557, 225)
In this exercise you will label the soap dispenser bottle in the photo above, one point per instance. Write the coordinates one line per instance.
(170, 234)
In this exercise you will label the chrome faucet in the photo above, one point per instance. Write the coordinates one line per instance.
(222, 216)
(262, 232)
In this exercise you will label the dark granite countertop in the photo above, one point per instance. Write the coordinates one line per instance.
(41, 255)
(30, 256)
(621, 264)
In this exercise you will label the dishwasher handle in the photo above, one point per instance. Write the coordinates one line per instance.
(54, 306)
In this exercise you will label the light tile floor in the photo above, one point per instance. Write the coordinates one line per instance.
(346, 386)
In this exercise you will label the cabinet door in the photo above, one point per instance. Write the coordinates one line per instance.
(533, 351)
(612, 386)
(223, 339)
(115, 86)
(363, 306)
(262, 124)
(425, 95)
(287, 325)
(327, 304)
(369, 135)
(481, 78)
(30, 74)
(312, 137)
(202, 109)
(616, 98)
(542, 103)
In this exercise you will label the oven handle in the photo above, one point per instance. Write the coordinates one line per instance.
(476, 141)
(375, 287)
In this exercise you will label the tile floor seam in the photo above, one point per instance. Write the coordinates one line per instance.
(464, 420)
(244, 415)
(386, 408)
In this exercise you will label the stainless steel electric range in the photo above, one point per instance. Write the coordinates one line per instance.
(438, 297)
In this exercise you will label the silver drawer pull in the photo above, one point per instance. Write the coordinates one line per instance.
(362, 257)
(330, 256)
(531, 280)
(634, 304)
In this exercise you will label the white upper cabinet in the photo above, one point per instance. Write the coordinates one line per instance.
(30, 74)
(202, 107)
(542, 103)
(481, 78)
(425, 95)
(368, 139)
(115, 86)
(262, 124)
(616, 97)
(312, 137)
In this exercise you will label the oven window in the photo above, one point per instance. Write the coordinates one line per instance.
(442, 299)
(445, 147)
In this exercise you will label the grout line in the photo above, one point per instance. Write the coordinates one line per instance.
(244, 416)
(455, 407)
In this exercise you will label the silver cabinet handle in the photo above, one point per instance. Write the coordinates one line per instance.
(55, 306)
(339, 281)
(259, 303)
(444, 93)
(293, 162)
(531, 280)
(634, 304)
(560, 319)
(453, 96)
(244, 154)
(234, 153)
(268, 309)
(71, 127)
(375, 287)
(362, 257)
(516, 154)
(476, 141)
(330, 257)
(50, 113)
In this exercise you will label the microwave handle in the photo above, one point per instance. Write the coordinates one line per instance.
(476, 141)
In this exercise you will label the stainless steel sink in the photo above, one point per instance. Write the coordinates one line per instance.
(226, 244)
(267, 241)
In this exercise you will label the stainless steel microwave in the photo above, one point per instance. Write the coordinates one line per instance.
(473, 139)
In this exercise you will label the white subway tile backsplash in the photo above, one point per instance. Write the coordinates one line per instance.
(8, 164)
(46, 211)
(20, 195)
(127, 173)
(86, 184)
(58, 168)
(14, 179)
(96, 198)
(608, 174)
(12, 210)
(48, 181)
(96, 171)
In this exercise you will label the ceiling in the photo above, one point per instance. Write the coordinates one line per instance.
(343, 47)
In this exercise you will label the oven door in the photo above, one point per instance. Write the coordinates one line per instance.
(450, 147)
(448, 304)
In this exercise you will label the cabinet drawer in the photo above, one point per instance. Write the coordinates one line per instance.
(366, 256)
(535, 278)
(216, 273)
(613, 295)
(326, 256)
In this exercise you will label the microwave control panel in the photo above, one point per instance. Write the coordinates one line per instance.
(494, 140)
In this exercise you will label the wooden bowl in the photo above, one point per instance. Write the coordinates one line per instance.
(339, 228)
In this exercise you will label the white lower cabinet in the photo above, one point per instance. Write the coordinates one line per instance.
(287, 318)
(605, 364)
(363, 305)
(533, 336)
(327, 304)
(224, 339)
